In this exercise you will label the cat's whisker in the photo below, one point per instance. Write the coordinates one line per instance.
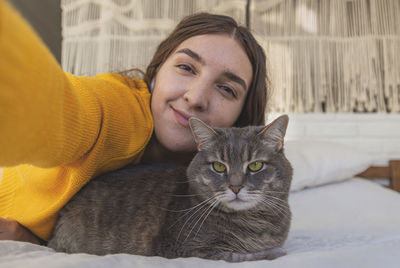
(278, 203)
(201, 224)
(280, 207)
(216, 197)
(177, 211)
(279, 200)
(209, 209)
(183, 226)
(272, 205)
(203, 204)
(181, 210)
(204, 207)
(190, 209)
(196, 220)
(170, 210)
(261, 192)
(185, 195)
(253, 197)
(268, 200)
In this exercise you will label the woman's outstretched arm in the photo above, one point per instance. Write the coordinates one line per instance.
(57, 130)
(44, 119)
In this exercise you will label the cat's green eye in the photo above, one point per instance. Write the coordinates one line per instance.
(255, 166)
(219, 167)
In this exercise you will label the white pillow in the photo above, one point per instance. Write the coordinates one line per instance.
(319, 162)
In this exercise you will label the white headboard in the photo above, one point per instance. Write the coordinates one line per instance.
(376, 134)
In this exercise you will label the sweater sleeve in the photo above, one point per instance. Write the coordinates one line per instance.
(44, 120)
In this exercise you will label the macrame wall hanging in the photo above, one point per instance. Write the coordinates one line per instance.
(331, 55)
(323, 55)
(114, 35)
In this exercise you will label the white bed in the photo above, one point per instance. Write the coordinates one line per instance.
(338, 221)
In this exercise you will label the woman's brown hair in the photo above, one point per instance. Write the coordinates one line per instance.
(253, 112)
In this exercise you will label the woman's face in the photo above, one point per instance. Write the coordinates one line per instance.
(207, 77)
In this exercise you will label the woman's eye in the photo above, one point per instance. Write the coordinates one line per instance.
(186, 68)
(228, 90)
(219, 167)
(255, 166)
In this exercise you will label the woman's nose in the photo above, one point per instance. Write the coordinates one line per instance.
(197, 96)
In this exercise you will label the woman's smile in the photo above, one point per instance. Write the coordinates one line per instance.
(181, 117)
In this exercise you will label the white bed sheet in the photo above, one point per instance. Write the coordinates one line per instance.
(355, 223)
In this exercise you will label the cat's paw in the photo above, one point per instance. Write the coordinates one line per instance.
(266, 254)
(270, 253)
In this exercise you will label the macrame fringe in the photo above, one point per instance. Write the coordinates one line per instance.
(324, 55)
(331, 55)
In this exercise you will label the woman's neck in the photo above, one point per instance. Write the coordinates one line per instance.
(156, 152)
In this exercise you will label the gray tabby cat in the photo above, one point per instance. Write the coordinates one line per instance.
(231, 203)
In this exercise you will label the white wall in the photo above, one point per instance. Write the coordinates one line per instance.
(377, 134)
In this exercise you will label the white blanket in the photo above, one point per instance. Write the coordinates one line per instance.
(355, 223)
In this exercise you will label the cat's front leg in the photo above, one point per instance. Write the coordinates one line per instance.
(266, 254)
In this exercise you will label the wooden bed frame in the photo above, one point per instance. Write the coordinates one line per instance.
(391, 172)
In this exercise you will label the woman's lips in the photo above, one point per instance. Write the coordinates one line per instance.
(181, 117)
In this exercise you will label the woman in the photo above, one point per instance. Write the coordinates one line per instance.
(60, 130)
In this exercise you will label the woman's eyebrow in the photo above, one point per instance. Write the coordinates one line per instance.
(235, 78)
(192, 54)
(227, 74)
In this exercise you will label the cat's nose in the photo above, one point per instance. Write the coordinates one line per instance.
(235, 188)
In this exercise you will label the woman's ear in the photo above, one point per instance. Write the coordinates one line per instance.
(152, 83)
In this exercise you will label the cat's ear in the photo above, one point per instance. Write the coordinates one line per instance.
(203, 134)
(275, 132)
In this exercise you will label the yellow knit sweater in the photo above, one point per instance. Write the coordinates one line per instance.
(58, 130)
